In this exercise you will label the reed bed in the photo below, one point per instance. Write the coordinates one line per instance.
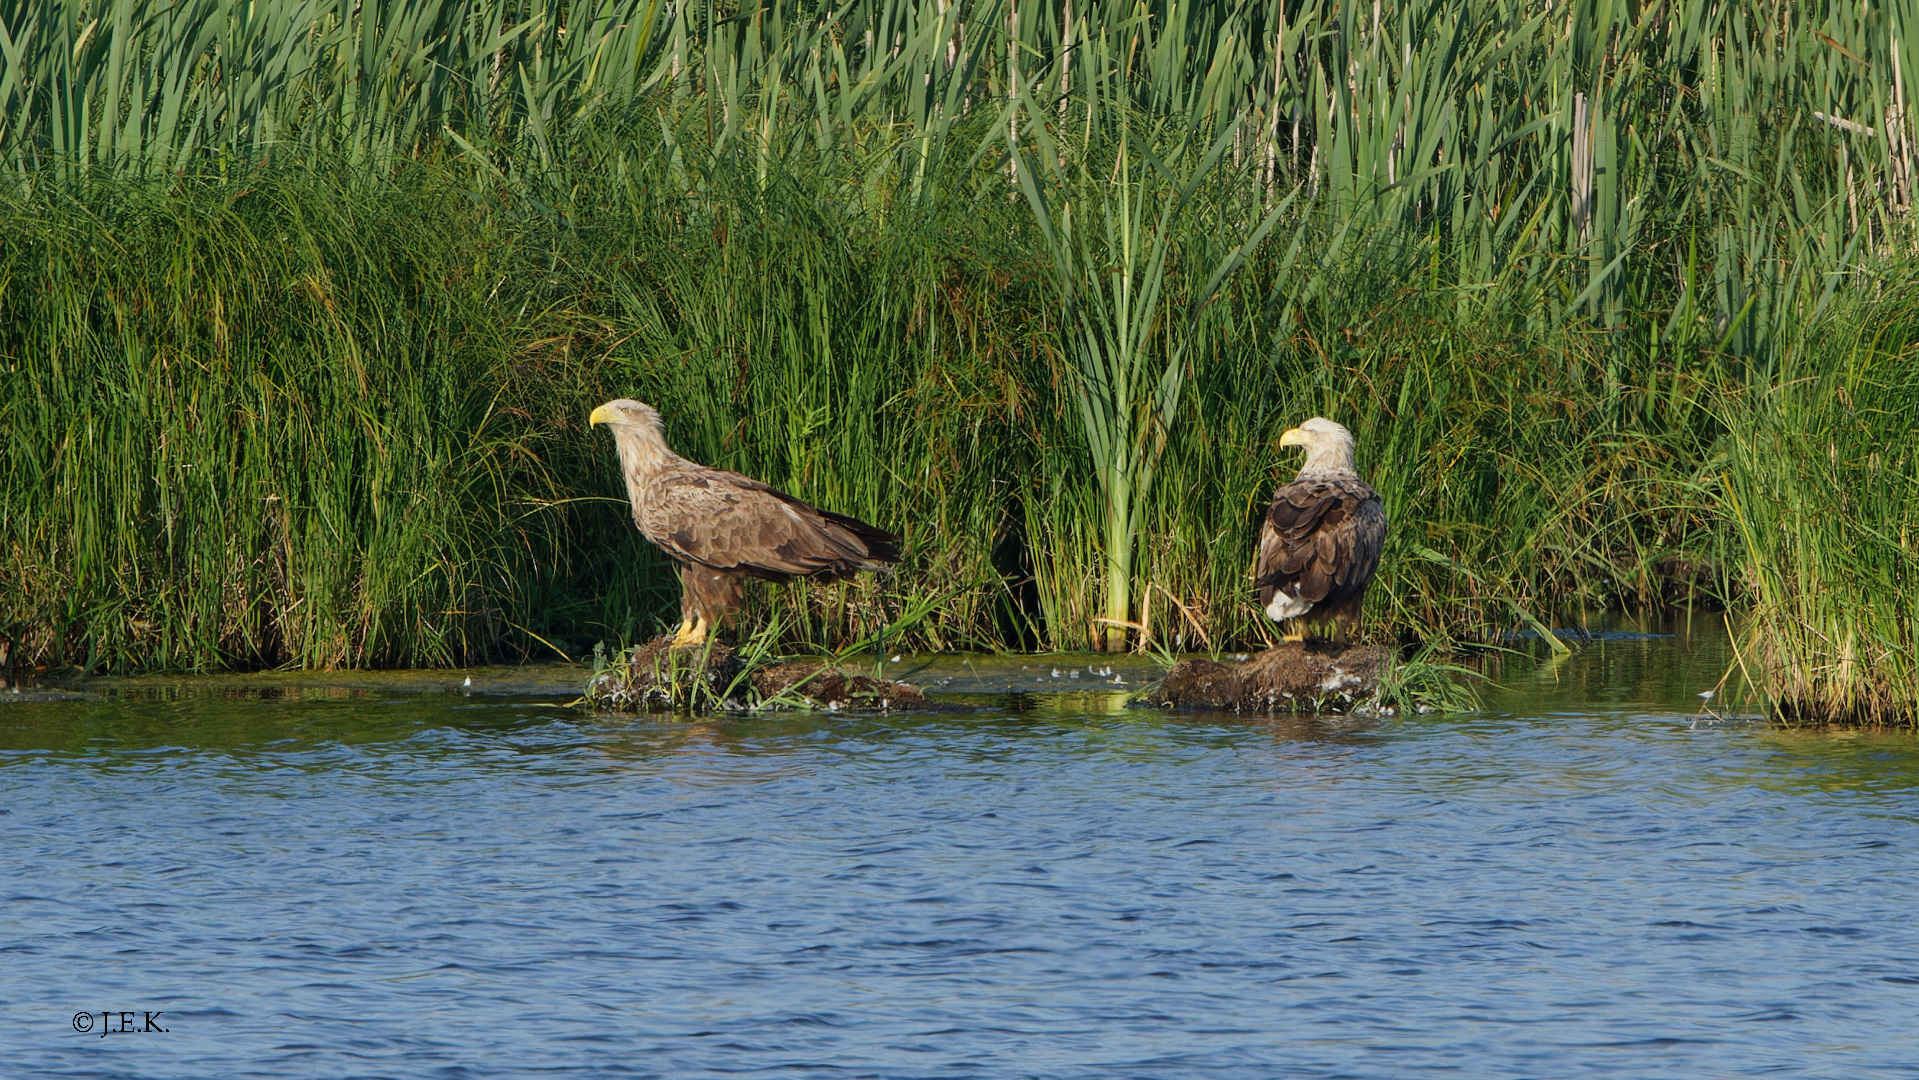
(268, 423)
(1567, 270)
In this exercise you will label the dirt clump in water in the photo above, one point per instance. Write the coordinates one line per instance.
(657, 676)
(836, 687)
(1296, 677)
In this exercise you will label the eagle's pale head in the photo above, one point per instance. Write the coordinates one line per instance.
(626, 411)
(1329, 448)
(637, 434)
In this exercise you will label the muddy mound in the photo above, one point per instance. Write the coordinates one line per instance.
(1291, 678)
(657, 677)
(836, 688)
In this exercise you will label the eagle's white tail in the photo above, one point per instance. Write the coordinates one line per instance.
(1286, 607)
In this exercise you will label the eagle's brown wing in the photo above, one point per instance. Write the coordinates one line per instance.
(1320, 542)
(732, 522)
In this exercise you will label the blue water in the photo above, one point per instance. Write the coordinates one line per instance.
(1584, 880)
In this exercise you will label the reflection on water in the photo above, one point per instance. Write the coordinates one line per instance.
(1588, 878)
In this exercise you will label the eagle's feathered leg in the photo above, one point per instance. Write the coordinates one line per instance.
(1345, 616)
(708, 597)
(687, 610)
(689, 606)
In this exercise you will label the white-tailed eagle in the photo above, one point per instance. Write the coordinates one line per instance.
(1320, 543)
(721, 527)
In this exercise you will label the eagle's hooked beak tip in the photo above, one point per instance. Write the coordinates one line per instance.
(601, 415)
(1290, 437)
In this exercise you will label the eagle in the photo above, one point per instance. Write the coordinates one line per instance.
(1320, 542)
(721, 527)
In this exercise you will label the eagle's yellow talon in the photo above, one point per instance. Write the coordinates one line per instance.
(690, 634)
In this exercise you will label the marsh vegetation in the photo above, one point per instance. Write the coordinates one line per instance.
(303, 307)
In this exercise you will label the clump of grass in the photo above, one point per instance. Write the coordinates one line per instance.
(753, 678)
(1423, 684)
(1822, 493)
(712, 678)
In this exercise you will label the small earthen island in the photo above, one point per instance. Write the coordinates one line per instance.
(1290, 678)
(659, 676)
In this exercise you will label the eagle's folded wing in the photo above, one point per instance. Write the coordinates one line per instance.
(1361, 542)
(1319, 538)
(732, 522)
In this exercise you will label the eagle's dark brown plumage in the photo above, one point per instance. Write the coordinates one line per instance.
(1320, 542)
(721, 527)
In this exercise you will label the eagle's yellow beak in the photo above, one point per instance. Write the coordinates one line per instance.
(601, 415)
(1291, 437)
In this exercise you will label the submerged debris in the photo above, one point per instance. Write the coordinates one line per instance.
(21, 694)
(1291, 678)
(656, 677)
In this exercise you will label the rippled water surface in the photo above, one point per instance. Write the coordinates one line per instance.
(388, 879)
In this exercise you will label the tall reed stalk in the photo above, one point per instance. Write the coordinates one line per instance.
(1127, 339)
